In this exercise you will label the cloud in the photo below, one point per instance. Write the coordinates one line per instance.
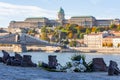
(20, 12)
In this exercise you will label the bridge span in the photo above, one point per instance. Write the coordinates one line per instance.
(21, 40)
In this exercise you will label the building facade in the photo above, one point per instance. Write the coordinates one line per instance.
(93, 40)
(116, 41)
(37, 22)
(86, 21)
(102, 40)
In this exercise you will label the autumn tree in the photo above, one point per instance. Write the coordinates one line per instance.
(88, 31)
(44, 37)
(109, 44)
(113, 26)
(93, 29)
(73, 43)
(70, 35)
(118, 45)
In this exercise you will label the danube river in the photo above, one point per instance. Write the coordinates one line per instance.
(65, 57)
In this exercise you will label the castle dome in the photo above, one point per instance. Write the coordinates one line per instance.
(61, 10)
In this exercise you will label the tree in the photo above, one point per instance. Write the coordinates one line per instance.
(81, 35)
(104, 44)
(118, 27)
(72, 28)
(109, 44)
(49, 31)
(98, 29)
(66, 42)
(56, 36)
(43, 29)
(73, 43)
(70, 35)
(30, 31)
(44, 37)
(87, 31)
(113, 26)
(93, 29)
(118, 45)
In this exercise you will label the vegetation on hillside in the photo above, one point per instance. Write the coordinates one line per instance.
(68, 33)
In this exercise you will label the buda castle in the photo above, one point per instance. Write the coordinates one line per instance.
(86, 21)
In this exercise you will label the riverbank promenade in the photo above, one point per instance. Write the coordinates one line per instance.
(20, 73)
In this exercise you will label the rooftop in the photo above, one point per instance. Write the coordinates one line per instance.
(82, 17)
(37, 18)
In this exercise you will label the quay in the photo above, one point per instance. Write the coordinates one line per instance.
(97, 50)
(71, 50)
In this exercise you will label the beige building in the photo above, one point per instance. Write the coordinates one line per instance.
(86, 21)
(93, 40)
(116, 33)
(116, 41)
(101, 40)
(39, 21)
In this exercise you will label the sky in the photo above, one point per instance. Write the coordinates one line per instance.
(18, 10)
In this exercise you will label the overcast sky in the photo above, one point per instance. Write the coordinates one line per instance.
(18, 10)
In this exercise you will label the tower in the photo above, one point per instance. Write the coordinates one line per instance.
(61, 16)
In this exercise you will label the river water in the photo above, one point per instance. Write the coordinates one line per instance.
(65, 57)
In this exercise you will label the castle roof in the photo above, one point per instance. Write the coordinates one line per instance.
(37, 18)
(82, 17)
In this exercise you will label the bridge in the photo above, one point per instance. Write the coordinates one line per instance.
(21, 40)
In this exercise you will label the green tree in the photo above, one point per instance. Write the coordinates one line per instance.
(49, 31)
(44, 36)
(81, 35)
(73, 43)
(113, 26)
(43, 29)
(118, 27)
(30, 31)
(98, 29)
(88, 31)
(66, 42)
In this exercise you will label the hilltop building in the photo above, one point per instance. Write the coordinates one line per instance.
(37, 22)
(86, 21)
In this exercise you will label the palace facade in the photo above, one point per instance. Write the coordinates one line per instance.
(86, 21)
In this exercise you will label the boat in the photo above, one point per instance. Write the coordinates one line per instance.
(57, 51)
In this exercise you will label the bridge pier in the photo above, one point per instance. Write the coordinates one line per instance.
(19, 48)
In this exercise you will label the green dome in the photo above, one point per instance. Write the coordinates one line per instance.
(61, 11)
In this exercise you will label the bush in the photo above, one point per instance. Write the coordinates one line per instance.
(89, 67)
(78, 57)
(73, 43)
(68, 64)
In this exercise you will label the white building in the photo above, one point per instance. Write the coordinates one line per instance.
(93, 40)
(116, 41)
